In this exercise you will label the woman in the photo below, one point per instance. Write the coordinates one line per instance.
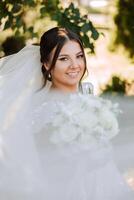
(65, 68)
(55, 140)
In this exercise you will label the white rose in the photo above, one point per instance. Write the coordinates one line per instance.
(87, 120)
(109, 123)
(65, 134)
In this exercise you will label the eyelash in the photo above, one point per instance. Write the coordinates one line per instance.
(65, 58)
(80, 56)
(62, 59)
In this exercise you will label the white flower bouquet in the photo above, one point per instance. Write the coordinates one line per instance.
(83, 118)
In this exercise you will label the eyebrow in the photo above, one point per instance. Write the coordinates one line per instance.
(67, 54)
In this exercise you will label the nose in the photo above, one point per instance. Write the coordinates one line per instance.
(74, 63)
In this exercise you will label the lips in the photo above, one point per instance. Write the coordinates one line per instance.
(73, 74)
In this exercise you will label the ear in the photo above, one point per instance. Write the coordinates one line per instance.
(46, 65)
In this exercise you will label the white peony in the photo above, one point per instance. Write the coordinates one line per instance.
(65, 134)
(109, 123)
(83, 118)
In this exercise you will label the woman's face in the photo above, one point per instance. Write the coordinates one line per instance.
(69, 67)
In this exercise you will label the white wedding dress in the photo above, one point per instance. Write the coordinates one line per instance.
(46, 153)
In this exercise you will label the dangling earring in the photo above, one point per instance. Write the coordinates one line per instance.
(49, 75)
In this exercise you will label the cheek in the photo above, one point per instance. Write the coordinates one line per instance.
(60, 68)
(58, 72)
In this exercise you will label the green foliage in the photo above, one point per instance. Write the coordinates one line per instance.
(14, 13)
(124, 21)
(72, 19)
(115, 86)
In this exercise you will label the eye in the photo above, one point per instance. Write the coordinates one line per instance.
(63, 59)
(80, 56)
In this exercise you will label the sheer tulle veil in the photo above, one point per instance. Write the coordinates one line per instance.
(20, 78)
(21, 173)
(27, 171)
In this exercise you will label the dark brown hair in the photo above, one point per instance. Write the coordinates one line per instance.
(56, 38)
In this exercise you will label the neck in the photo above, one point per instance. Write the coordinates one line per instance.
(64, 89)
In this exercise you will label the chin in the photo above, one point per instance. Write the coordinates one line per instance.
(73, 83)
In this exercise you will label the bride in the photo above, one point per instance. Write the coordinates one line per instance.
(54, 134)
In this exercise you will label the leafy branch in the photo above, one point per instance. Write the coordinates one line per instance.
(13, 13)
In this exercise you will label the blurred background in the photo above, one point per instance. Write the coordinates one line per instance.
(107, 31)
